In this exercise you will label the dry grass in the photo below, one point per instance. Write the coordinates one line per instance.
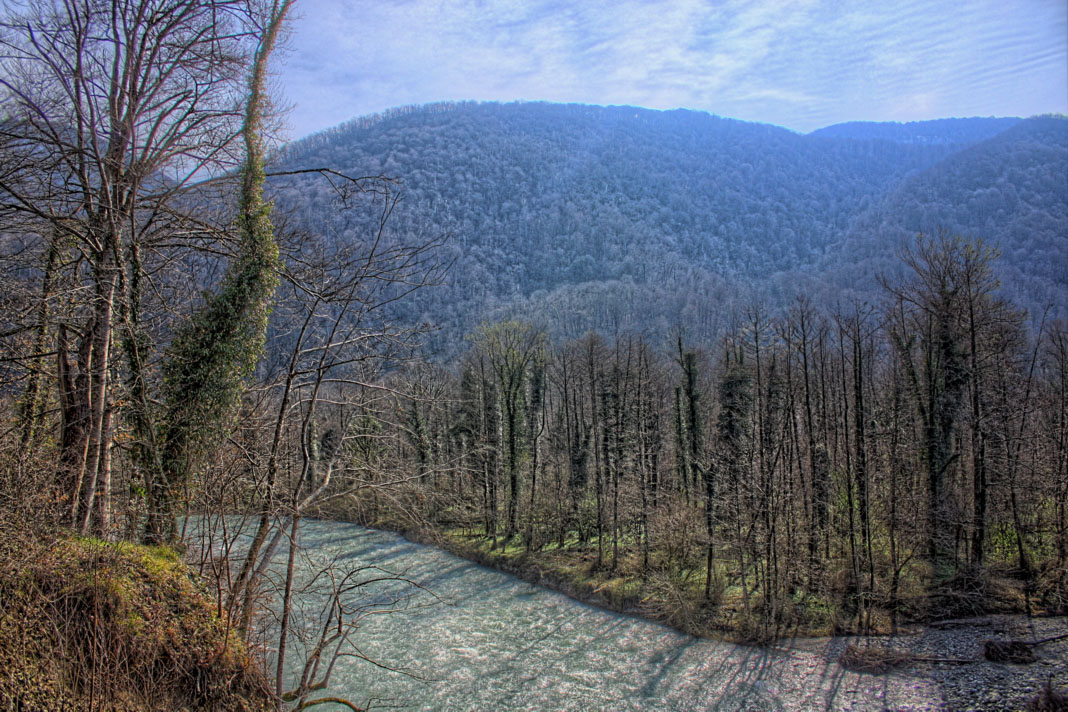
(89, 625)
(873, 660)
(1049, 700)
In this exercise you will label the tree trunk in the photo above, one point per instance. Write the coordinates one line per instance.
(99, 372)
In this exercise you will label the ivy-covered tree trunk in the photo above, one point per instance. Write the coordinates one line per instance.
(213, 356)
(733, 443)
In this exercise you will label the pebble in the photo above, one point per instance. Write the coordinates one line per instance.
(982, 686)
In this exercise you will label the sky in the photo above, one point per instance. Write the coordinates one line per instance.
(802, 64)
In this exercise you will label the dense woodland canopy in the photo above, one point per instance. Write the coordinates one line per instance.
(616, 218)
(708, 359)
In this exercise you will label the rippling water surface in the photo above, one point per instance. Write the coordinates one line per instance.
(489, 641)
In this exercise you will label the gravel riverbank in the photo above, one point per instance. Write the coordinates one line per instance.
(979, 685)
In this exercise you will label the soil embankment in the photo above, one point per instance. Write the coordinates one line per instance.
(87, 624)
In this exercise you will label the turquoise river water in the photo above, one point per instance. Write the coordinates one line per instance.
(476, 639)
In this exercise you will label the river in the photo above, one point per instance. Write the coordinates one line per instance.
(477, 639)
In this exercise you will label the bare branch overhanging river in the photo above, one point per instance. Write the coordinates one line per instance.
(476, 639)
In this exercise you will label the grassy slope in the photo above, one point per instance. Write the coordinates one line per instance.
(86, 624)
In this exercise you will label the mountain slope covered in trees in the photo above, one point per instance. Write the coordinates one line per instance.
(939, 131)
(1011, 190)
(612, 217)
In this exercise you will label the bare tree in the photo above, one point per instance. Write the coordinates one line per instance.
(514, 351)
(111, 108)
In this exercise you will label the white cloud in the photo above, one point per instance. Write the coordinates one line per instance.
(799, 64)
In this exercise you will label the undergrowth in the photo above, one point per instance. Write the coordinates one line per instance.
(86, 624)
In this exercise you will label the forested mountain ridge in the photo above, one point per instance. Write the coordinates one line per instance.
(616, 217)
(1011, 190)
(938, 131)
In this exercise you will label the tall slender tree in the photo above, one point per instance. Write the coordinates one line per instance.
(213, 356)
(512, 349)
(112, 107)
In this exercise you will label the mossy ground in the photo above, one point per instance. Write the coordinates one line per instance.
(678, 597)
(86, 624)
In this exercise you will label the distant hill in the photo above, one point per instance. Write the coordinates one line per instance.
(939, 131)
(622, 218)
(1011, 190)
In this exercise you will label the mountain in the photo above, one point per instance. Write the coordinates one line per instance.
(938, 131)
(1011, 190)
(616, 217)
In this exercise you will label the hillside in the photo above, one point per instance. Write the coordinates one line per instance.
(615, 217)
(1011, 189)
(93, 625)
(939, 131)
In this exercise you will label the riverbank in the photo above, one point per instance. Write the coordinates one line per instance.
(88, 624)
(678, 599)
(675, 601)
(948, 654)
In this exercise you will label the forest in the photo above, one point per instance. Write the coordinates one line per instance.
(747, 382)
(814, 468)
(579, 218)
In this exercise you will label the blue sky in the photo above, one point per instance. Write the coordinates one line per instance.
(802, 64)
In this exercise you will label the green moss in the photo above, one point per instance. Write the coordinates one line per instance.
(125, 625)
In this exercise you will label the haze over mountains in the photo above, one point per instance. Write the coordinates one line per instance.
(614, 218)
